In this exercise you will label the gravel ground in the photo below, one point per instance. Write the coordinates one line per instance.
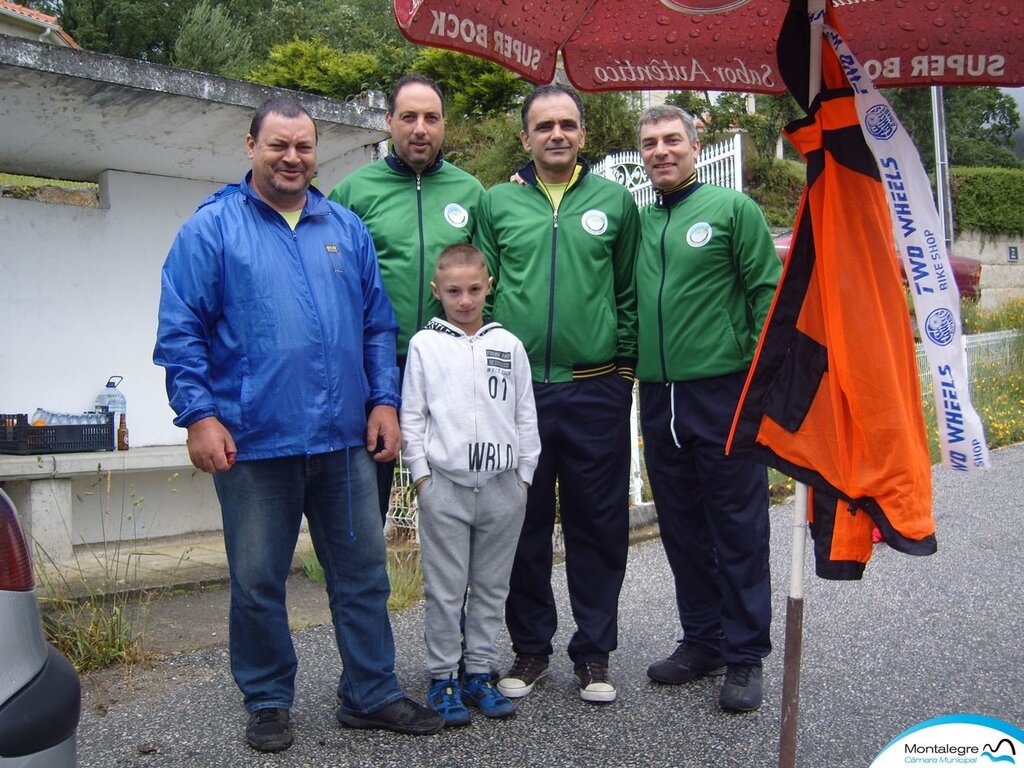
(917, 638)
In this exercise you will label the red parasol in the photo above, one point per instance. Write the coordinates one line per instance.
(733, 45)
(726, 45)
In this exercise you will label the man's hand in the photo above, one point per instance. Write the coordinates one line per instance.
(210, 446)
(383, 437)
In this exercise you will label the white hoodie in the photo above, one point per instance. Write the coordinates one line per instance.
(467, 405)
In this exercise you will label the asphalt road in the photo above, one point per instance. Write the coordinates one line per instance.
(916, 639)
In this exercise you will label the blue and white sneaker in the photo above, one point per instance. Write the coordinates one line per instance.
(443, 697)
(479, 691)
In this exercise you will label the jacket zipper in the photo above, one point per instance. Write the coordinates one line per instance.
(661, 292)
(551, 297)
(419, 219)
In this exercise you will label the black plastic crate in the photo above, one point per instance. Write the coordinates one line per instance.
(17, 436)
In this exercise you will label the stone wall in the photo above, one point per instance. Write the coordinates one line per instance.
(1002, 275)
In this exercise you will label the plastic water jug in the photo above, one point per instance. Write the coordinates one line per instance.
(112, 399)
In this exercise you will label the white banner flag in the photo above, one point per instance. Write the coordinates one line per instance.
(923, 251)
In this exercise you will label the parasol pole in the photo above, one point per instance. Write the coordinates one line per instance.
(794, 634)
(795, 602)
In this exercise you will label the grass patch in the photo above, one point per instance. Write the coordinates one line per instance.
(15, 180)
(93, 623)
(997, 394)
(1009, 316)
(94, 609)
(405, 571)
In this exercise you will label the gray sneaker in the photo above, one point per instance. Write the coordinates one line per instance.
(687, 662)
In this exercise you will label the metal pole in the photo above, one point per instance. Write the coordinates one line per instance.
(794, 635)
(944, 200)
(795, 602)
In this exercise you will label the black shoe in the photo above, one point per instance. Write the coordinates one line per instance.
(741, 691)
(269, 730)
(523, 675)
(402, 716)
(687, 662)
(594, 685)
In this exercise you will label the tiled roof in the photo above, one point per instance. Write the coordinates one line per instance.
(45, 20)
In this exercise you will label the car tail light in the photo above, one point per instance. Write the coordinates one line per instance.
(15, 562)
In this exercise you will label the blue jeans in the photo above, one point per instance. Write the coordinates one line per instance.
(262, 503)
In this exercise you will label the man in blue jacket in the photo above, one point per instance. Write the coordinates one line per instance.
(278, 342)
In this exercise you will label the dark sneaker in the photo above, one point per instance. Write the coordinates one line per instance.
(402, 716)
(269, 730)
(523, 675)
(480, 692)
(687, 662)
(443, 697)
(594, 685)
(742, 689)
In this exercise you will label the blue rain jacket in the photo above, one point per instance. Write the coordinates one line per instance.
(287, 337)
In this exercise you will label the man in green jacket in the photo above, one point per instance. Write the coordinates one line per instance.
(414, 203)
(561, 248)
(705, 279)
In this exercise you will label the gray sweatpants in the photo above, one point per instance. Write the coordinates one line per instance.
(468, 537)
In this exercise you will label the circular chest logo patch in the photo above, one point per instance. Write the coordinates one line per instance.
(595, 222)
(456, 215)
(698, 234)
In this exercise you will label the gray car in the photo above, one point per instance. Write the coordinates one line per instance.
(40, 693)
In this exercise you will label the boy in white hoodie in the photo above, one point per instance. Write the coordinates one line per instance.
(470, 441)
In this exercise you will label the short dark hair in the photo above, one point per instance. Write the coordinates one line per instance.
(460, 255)
(285, 106)
(551, 90)
(405, 80)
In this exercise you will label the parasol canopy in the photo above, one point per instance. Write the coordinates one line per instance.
(726, 45)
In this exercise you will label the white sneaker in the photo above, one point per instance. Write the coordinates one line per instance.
(594, 685)
(522, 676)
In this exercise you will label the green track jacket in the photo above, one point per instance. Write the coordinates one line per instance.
(564, 280)
(411, 219)
(706, 276)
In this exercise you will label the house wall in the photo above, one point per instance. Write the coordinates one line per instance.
(1002, 278)
(81, 288)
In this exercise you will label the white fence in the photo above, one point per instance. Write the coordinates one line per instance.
(720, 164)
(992, 351)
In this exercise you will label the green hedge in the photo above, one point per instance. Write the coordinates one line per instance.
(989, 200)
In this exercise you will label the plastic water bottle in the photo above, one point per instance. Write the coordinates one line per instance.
(113, 400)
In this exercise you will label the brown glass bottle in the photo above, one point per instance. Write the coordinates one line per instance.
(122, 434)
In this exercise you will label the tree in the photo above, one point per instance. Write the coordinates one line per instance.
(49, 7)
(136, 29)
(489, 149)
(714, 119)
(611, 123)
(979, 124)
(312, 65)
(473, 88)
(209, 41)
(729, 112)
